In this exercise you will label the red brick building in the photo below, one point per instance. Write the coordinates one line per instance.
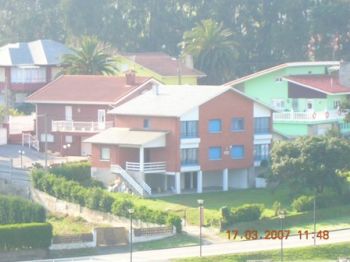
(74, 108)
(175, 138)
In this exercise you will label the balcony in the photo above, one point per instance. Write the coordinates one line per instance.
(79, 127)
(147, 168)
(308, 116)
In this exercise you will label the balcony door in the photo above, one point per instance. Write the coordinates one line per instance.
(101, 118)
(68, 113)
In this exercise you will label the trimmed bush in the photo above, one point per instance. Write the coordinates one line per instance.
(25, 236)
(303, 203)
(245, 213)
(99, 199)
(14, 210)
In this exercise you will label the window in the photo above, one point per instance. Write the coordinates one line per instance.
(28, 75)
(261, 125)
(189, 129)
(189, 156)
(146, 123)
(237, 152)
(50, 138)
(215, 153)
(237, 124)
(278, 104)
(105, 153)
(68, 139)
(261, 152)
(214, 126)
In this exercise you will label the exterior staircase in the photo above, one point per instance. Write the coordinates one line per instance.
(139, 187)
(30, 140)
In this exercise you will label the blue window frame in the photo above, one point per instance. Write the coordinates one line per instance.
(215, 153)
(261, 125)
(237, 124)
(214, 126)
(237, 152)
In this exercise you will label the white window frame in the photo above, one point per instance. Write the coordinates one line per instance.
(50, 138)
(68, 113)
(68, 139)
(105, 154)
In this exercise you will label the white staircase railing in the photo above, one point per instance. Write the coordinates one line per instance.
(139, 186)
(30, 140)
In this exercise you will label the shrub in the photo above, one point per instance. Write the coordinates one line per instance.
(25, 236)
(226, 216)
(303, 203)
(15, 210)
(248, 212)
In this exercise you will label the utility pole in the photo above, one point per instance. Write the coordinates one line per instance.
(45, 147)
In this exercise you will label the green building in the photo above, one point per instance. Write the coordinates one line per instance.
(305, 95)
(160, 66)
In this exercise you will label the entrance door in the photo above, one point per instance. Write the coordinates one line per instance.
(310, 105)
(188, 180)
(101, 118)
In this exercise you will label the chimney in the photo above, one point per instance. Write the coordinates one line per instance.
(344, 74)
(130, 77)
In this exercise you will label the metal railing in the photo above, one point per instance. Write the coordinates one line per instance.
(139, 186)
(30, 140)
(309, 116)
(78, 126)
(148, 167)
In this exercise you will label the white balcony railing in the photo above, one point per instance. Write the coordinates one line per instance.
(148, 167)
(308, 116)
(76, 126)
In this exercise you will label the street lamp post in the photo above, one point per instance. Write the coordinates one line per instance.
(200, 204)
(131, 211)
(21, 153)
(65, 147)
(281, 215)
(315, 220)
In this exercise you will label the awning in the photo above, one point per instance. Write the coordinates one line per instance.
(125, 137)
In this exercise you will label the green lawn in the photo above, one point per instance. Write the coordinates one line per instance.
(319, 253)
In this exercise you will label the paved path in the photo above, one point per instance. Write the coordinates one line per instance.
(216, 249)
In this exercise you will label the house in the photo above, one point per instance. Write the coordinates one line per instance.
(26, 67)
(73, 108)
(160, 66)
(175, 138)
(307, 96)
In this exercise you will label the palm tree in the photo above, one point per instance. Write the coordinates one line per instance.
(89, 59)
(213, 49)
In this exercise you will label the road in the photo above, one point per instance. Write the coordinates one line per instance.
(216, 249)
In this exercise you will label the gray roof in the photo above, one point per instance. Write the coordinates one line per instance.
(39, 52)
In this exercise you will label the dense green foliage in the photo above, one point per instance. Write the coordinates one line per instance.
(303, 203)
(266, 32)
(15, 210)
(311, 164)
(99, 199)
(76, 171)
(244, 213)
(25, 236)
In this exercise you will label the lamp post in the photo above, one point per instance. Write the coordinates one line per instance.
(130, 211)
(65, 147)
(200, 204)
(45, 131)
(315, 220)
(281, 215)
(21, 153)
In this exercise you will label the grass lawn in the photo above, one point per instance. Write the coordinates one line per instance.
(319, 253)
(179, 240)
(65, 225)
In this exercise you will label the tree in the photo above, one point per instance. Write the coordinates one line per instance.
(311, 163)
(89, 59)
(213, 49)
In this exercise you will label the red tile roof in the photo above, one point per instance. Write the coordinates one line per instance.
(162, 64)
(85, 89)
(325, 83)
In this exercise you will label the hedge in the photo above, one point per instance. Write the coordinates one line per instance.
(25, 236)
(14, 210)
(244, 213)
(76, 171)
(99, 199)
